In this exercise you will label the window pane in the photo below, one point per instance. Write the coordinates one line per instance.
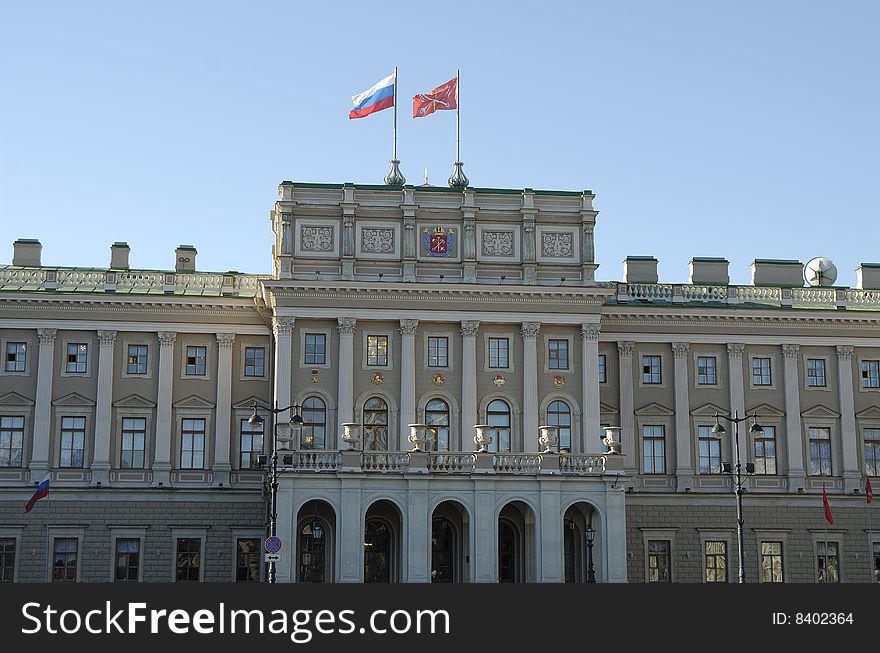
(248, 560)
(189, 559)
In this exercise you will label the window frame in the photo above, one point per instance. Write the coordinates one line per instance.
(820, 538)
(863, 361)
(66, 343)
(127, 352)
(704, 434)
(128, 533)
(245, 347)
(16, 340)
(366, 333)
(448, 426)
(654, 535)
(62, 532)
(188, 534)
(122, 433)
(809, 427)
(602, 368)
(697, 358)
(254, 453)
(511, 355)
(328, 347)
(324, 425)
(661, 377)
(427, 344)
(205, 442)
(807, 359)
(185, 366)
(389, 433)
(771, 376)
(12, 533)
(494, 445)
(764, 439)
(761, 554)
(12, 429)
(137, 342)
(875, 445)
(85, 443)
(549, 339)
(238, 535)
(654, 438)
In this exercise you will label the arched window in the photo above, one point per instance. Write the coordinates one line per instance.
(437, 419)
(314, 428)
(377, 551)
(312, 549)
(375, 424)
(498, 416)
(559, 414)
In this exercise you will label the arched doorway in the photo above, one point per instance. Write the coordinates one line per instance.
(316, 531)
(382, 525)
(516, 532)
(448, 536)
(580, 543)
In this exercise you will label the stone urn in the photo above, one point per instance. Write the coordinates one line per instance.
(417, 436)
(351, 434)
(482, 439)
(549, 436)
(612, 439)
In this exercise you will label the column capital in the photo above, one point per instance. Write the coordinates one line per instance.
(47, 336)
(530, 330)
(790, 352)
(106, 338)
(844, 352)
(626, 348)
(469, 328)
(346, 326)
(409, 327)
(225, 340)
(590, 331)
(167, 338)
(283, 326)
(735, 349)
(680, 349)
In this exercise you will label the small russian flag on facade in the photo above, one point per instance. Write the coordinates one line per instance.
(377, 97)
(41, 492)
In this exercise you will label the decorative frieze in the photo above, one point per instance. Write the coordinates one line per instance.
(316, 239)
(497, 243)
(557, 245)
(377, 241)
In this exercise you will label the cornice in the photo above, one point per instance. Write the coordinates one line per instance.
(125, 305)
(782, 319)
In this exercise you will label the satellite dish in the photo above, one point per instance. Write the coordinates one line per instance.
(820, 271)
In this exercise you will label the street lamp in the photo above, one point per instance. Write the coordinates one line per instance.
(591, 535)
(296, 423)
(737, 475)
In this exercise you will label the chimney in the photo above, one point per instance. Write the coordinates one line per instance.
(640, 269)
(868, 276)
(26, 252)
(777, 273)
(710, 271)
(119, 256)
(185, 258)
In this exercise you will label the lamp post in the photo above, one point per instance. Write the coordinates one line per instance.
(591, 535)
(737, 475)
(296, 422)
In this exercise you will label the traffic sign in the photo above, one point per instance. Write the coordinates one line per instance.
(273, 544)
(271, 557)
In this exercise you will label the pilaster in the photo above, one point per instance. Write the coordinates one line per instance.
(530, 331)
(101, 462)
(684, 466)
(408, 329)
(793, 435)
(222, 465)
(628, 436)
(591, 428)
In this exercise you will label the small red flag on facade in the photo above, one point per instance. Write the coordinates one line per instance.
(869, 493)
(828, 516)
(442, 98)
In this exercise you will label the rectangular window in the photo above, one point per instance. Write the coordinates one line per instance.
(195, 360)
(16, 356)
(77, 358)
(827, 562)
(820, 451)
(499, 352)
(761, 371)
(816, 372)
(876, 551)
(651, 370)
(137, 359)
(603, 375)
(438, 351)
(706, 370)
(254, 361)
(11, 438)
(128, 559)
(558, 354)
(659, 561)
(73, 437)
(7, 559)
(872, 452)
(871, 374)
(765, 451)
(134, 435)
(247, 560)
(771, 562)
(710, 451)
(316, 349)
(377, 351)
(716, 561)
(189, 558)
(654, 449)
(251, 444)
(64, 559)
(192, 444)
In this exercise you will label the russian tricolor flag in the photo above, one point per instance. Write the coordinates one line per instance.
(41, 492)
(377, 97)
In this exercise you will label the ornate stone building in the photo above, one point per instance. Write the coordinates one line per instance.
(397, 324)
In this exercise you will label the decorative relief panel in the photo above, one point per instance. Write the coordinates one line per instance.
(438, 241)
(498, 243)
(378, 240)
(317, 239)
(558, 245)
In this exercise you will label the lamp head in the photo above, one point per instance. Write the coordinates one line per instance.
(718, 429)
(756, 429)
(254, 419)
(296, 423)
(591, 533)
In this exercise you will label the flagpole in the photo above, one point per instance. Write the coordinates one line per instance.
(48, 545)
(458, 179)
(394, 148)
(394, 176)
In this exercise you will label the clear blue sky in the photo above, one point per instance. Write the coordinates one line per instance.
(740, 129)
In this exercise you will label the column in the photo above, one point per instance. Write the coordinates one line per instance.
(849, 435)
(684, 466)
(43, 408)
(345, 386)
(162, 462)
(282, 327)
(628, 436)
(223, 439)
(793, 435)
(737, 397)
(101, 460)
(530, 331)
(469, 329)
(408, 330)
(590, 438)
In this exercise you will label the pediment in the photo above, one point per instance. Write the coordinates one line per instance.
(871, 412)
(606, 408)
(819, 411)
(73, 399)
(15, 399)
(249, 403)
(654, 409)
(709, 410)
(134, 401)
(193, 401)
(766, 410)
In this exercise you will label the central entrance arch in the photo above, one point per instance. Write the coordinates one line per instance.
(516, 533)
(449, 535)
(382, 526)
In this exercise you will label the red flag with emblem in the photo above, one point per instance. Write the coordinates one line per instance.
(828, 516)
(442, 98)
(869, 493)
